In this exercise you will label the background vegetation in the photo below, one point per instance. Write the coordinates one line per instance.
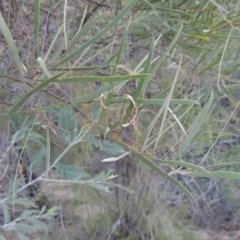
(119, 119)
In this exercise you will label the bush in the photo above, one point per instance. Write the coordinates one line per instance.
(112, 103)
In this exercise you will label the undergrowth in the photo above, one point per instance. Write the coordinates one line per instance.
(120, 111)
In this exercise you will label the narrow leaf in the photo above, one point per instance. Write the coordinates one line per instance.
(44, 67)
(216, 174)
(48, 153)
(46, 57)
(161, 101)
(222, 165)
(67, 69)
(114, 159)
(36, 26)
(185, 164)
(163, 174)
(120, 50)
(100, 79)
(11, 44)
(147, 4)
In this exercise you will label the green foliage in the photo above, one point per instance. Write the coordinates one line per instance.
(30, 221)
(11, 44)
(142, 81)
(37, 159)
(108, 147)
(68, 123)
(70, 172)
